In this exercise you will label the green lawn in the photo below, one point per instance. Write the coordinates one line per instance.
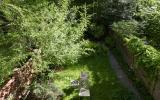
(104, 84)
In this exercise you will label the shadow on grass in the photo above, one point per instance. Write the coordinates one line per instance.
(131, 74)
(70, 91)
(104, 83)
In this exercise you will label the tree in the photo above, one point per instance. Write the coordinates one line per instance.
(149, 14)
(55, 30)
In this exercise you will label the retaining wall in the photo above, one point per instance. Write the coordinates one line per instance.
(152, 85)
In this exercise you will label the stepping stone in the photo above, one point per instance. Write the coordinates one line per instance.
(84, 92)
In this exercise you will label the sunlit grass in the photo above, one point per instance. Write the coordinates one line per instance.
(104, 84)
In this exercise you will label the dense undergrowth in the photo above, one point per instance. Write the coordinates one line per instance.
(52, 29)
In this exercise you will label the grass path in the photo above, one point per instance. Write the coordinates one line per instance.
(104, 84)
(122, 76)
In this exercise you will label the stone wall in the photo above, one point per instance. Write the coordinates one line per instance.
(152, 86)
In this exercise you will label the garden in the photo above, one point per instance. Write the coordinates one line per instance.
(46, 45)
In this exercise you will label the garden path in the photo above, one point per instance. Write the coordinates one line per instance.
(122, 76)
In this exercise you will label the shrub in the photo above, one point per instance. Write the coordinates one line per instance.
(146, 56)
(148, 13)
(47, 31)
(126, 27)
(46, 91)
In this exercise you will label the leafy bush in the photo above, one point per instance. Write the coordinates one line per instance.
(149, 16)
(53, 30)
(57, 32)
(116, 10)
(152, 30)
(146, 56)
(46, 91)
(147, 21)
(126, 27)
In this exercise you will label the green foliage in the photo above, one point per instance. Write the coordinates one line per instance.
(115, 10)
(126, 27)
(146, 8)
(13, 15)
(149, 16)
(97, 31)
(46, 91)
(57, 32)
(146, 56)
(50, 33)
(108, 11)
(147, 26)
(104, 84)
(152, 30)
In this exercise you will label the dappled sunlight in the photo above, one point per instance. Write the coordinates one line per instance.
(70, 45)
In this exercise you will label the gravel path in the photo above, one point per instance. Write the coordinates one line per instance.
(122, 76)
